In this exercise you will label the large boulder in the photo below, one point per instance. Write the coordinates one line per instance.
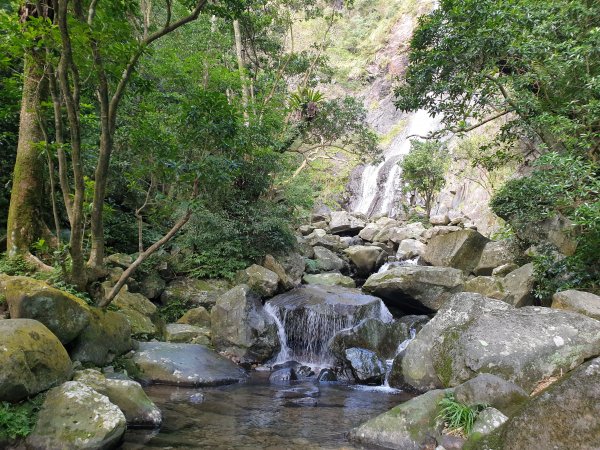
(193, 292)
(369, 232)
(152, 286)
(241, 327)
(496, 254)
(409, 248)
(364, 258)
(261, 280)
(564, 416)
(407, 426)
(365, 365)
(64, 314)
(488, 389)
(32, 359)
(324, 261)
(419, 288)
(329, 279)
(582, 302)
(140, 312)
(461, 249)
(74, 416)
(285, 281)
(342, 222)
(411, 231)
(472, 334)
(128, 395)
(519, 285)
(107, 336)
(188, 365)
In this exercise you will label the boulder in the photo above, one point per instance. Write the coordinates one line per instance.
(487, 421)
(369, 232)
(326, 376)
(504, 269)
(294, 265)
(128, 395)
(198, 317)
(472, 334)
(432, 232)
(581, 302)
(241, 327)
(460, 249)
(407, 426)
(488, 389)
(321, 214)
(121, 260)
(283, 376)
(439, 219)
(187, 365)
(187, 334)
(64, 314)
(491, 287)
(519, 285)
(140, 312)
(564, 416)
(410, 231)
(305, 230)
(329, 279)
(194, 293)
(364, 258)
(74, 416)
(261, 280)
(342, 222)
(152, 286)
(371, 334)
(326, 261)
(107, 335)
(366, 366)
(32, 359)
(419, 288)
(272, 264)
(410, 248)
(320, 238)
(496, 254)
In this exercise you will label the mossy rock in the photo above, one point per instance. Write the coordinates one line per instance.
(32, 359)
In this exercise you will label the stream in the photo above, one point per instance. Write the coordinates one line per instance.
(260, 415)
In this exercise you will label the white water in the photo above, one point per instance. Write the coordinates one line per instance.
(401, 347)
(284, 352)
(379, 193)
(387, 266)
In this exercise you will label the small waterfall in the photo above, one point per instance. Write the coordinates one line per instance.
(284, 352)
(380, 184)
(387, 266)
(401, 347)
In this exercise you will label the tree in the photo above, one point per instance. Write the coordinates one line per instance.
(424, 168)
(535, 63)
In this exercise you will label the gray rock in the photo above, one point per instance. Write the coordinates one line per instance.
(283, 376)
(504, 269)
(364, 258)
(198, 317)
(326, 375)
(409, 248)
(241, 327)
(140, 312)
(496, 254)
(326, 261)
(432, 232)
(519, 286)
(439, 219)
(32, 359)
(369, 232)
(419, 288)
(294, 266)
(187, 365)
(491, 287)
(194, 293)
(285, 281)
(329, 279)
(461, 249)
(261, 280)
(187, 334)
(491, 390)
(406, 427)
(121, 260)
(410, 231)
(152, 286)
(305, 230)
(320, 238)
(487, 421)
(581, 302)
(74, 416)
(344, 222)
(365, 365)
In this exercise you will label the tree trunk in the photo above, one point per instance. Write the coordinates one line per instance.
(239, 51)
(25, 224)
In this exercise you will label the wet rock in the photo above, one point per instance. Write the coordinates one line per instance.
(74, 416)
(128, 395)
(107, 335)
(32, 359)
(283, 376)
(188, 365)
(461, 249)
(487, 421)
(407, 426)
(302, 391)
(187, 334)
(491, 390)
(329, 279)
(581, 302)
(261, 280)
(299, 402)
(364, 258)
(410, 231)
(343, 222)
(418, 288)
(564, 416)
(365, 365)
(198, 317)
(496, 254)
(193, 292)
(326, 375)
(241, 327)
(64, 314)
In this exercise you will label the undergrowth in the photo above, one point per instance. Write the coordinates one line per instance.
(17, 420)
(458, 417)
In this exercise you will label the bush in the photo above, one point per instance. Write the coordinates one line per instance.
(17, 420)
(16, 266)
(457, 416)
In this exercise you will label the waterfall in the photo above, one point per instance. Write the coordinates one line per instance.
(401, 347)
(284, 352)
(380, 185)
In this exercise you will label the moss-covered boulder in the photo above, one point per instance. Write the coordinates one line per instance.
(73, 417)
(461, 249)
(193, 292)
(198, 317)
(407, 426)
(261, 280)
(152, 286)
(325, 260)
(107, 335)
(488, 389)
(140, 312)
(128, 395)
(329, 279)
(64, 314)
(32, 359)
(187, 334)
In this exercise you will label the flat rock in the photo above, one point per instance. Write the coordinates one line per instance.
(581, 302)
(329, 279)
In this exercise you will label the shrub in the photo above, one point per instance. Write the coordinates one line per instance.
(16, 266)
(17, 420)
(457, 416)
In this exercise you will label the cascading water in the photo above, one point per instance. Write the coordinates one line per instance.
(380, 184)
(401, 347)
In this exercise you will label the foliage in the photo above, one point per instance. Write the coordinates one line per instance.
(16, 266)
(560, 184)
(536, 63)
(17, 420)
(424, 168)
(457, 416)
(173, 311)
